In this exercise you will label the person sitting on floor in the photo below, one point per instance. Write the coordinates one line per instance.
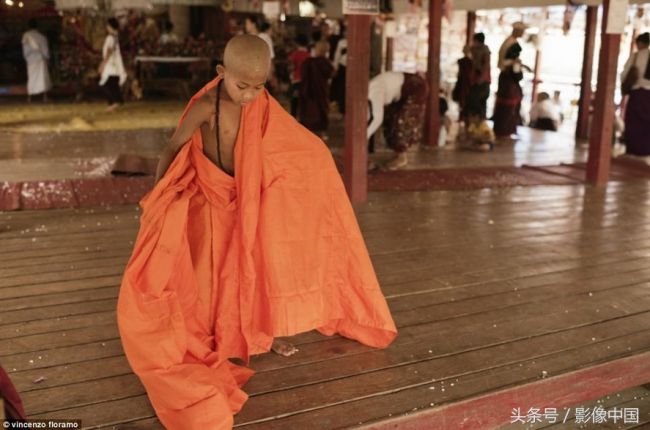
(478, 136)
(544, 115)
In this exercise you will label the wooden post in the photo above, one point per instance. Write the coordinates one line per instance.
(471, 27)
(433, 72)
(600, 143)
(356, 106)
(584, 104)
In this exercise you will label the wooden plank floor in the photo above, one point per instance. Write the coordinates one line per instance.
(491, 290)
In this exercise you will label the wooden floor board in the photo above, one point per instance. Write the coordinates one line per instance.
(415, 391)
(70, 266)
(636, 398)
(489, 289)
(76, 254)
(61, 356)
(46, 313)
(54, 299)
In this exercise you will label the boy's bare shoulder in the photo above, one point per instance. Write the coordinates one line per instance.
(202, 111)
(206, 103)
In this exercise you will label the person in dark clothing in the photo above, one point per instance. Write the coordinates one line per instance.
(480, 77)
(509, 95)
(314, 90)
(461, 89)
(296, 58)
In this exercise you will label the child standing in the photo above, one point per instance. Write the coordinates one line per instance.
(296, 58)
(247, 236)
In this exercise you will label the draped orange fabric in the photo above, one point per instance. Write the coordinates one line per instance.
(222, 265)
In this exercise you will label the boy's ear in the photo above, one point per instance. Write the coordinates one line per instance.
(221, 70)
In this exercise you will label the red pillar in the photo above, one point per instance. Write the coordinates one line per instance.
(355, 173)
(471, 27)
(584, 104)
(433, 72)
(600, 143)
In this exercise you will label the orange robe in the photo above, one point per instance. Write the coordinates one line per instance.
(222, 265)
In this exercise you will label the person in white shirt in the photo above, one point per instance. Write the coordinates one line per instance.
(637, 111)
(112, 72)
(266, 33)
(341, 54)
(545, 114)
(36, 53)
(168, 37)
(398, 102)
(263, 31)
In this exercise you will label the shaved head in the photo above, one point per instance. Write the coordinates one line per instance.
(247, 54)
(246, 67)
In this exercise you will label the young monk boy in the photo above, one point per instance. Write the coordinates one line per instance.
(247, 236)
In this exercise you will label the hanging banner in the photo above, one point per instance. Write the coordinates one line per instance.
(616, 17)
(360, 7)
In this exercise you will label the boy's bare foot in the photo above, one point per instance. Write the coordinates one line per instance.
(284, 348)
(398, 162)
(112, 107)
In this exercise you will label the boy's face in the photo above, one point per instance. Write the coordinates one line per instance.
(243, 87)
